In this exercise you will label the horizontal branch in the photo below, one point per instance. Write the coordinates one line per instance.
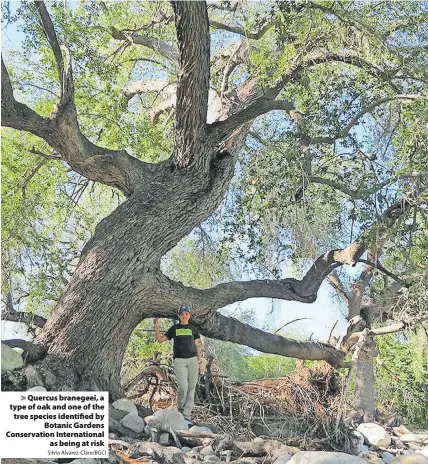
(229, 329)
(398, 326)
(244, 32)
(260, 106)
(305, 290)
(24, 317)
(157, 45)
(33, 151)
(389, 329)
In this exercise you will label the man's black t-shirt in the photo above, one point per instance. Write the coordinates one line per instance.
(184, 340)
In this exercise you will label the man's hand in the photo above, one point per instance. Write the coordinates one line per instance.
(201, 369)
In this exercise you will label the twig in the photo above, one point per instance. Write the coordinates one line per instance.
(177, 441)
(294, 320)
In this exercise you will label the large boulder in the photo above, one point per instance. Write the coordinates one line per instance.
(10, 359)
(374, 434)
(324, 457)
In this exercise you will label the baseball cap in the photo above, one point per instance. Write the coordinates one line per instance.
(184, 307)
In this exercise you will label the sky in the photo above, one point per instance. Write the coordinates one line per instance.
(321, 315)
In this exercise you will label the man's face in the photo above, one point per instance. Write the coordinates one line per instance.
(184, 317)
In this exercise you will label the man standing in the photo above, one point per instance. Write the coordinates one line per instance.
(187, 357)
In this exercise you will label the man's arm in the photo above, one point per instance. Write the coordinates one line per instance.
(160, 337)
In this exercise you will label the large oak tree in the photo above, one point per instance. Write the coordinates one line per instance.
(214, 92)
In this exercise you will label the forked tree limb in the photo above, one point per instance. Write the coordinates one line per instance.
(20, 116)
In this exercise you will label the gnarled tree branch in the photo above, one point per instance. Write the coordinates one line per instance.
(212, 324)
(229, 329)
(261, 106)
(26, 318)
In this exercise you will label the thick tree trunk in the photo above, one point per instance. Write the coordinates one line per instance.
(115, 284)
(364, 384)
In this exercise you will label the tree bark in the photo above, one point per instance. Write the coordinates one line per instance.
(364, 386)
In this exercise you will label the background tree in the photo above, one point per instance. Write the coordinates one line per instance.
(333, 67)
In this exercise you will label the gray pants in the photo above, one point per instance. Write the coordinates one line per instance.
(186, 371)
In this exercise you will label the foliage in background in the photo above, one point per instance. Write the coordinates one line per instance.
(402, 377)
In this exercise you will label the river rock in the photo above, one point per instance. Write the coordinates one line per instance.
(169, 418)
(10, 359)
(387, 457)
(164, 438)
(207, 450)
(125, 405)
(211, 458)
(198, 429)
(374, 434)
(133, 422)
